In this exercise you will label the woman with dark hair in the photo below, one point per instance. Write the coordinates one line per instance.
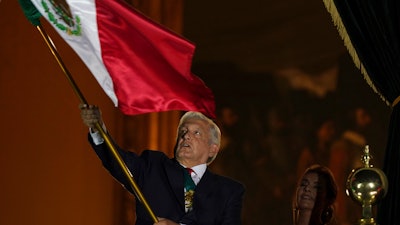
(313, 202)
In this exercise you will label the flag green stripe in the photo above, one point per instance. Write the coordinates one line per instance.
(30, 11)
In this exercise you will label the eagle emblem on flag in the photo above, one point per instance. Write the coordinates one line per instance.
(59, 13)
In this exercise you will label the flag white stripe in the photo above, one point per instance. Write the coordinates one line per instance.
(87, 46)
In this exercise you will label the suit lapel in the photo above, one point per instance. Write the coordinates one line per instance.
(175, 178)
(205, 186)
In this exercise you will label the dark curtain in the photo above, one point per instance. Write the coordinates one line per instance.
(372, 27)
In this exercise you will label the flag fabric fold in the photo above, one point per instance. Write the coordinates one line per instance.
(141, 65)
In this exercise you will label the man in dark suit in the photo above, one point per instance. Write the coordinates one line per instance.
(215, 200)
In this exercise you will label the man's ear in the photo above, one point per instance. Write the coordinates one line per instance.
(214, 149)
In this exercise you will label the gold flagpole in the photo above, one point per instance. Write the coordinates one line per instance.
(105, 136)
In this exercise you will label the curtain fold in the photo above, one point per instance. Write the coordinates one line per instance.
(389, 207)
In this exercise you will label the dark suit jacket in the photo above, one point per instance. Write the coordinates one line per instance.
(217, 199)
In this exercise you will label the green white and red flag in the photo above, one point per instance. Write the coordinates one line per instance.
(141, 65)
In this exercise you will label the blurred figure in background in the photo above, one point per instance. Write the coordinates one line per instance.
(281, 153)
(318, 149)
(240, 158)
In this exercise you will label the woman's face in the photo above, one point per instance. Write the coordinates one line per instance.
(307, 191)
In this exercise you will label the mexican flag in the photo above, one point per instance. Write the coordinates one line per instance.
(142, 66)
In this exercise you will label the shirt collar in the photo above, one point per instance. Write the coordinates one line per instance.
(199, 169)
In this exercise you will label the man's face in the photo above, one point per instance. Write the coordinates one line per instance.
(307, 191)
(194, 146)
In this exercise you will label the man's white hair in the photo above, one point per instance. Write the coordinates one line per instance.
(215, 132)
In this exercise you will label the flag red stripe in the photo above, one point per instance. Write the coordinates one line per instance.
(150, 66)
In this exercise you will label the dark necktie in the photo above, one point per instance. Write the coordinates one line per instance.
(189, 188)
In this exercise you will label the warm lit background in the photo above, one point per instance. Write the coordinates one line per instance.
(248, 52)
